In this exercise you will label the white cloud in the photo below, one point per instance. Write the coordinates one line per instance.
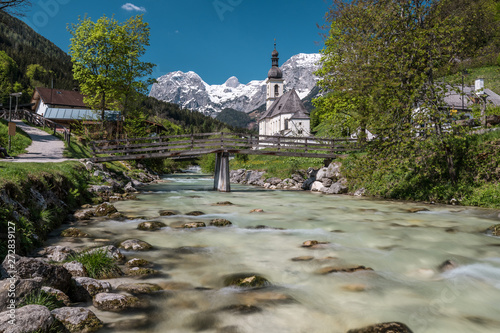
(131, 8)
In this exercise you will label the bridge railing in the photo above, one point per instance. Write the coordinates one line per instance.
(192, 145)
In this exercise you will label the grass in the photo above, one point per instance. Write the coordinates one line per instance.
(19, 142)
(97, 263)
(276, 166)
(40, 297)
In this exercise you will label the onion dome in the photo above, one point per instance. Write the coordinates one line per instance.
(275, 72)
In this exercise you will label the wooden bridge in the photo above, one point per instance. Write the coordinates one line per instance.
(222, 144)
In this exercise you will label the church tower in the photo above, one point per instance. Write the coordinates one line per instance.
(274, 81)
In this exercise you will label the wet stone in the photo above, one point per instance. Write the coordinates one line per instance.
(135, 245)
(168, 212)
(74, 232)
(303, 258)
(194, 225)
(220, 223)
(330, 269)
(151, 225)
(195, 213)
(246, 280)
(137, 262)
(142, 271)
(139, 288)
(393, 327)
(242, 309)
(118, 302)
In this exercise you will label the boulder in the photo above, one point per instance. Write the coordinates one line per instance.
(142, 271)
(255, 177)
(168, 212)
(74, 232)
(322, 172)
(317, 186)
(220, 223)
(246, 280)
(75, 268)
(23, 287)
(139, 288)
(84, 214)
(91, 286)
(135, 245)
(308, 183)
(273, 180)
(303, 258)
(111, 251)
(77, 320)
(137, 262)
(58, 294)
(494, 230)
(195, 213)
(337, 188)
(52, 275)
(29, 318)
(327, 182)
(105, 209)
(194, 225)
(393, 327)
(447, 265)
(257, 210)
(313, 243)
(333, 171)
(57, 253)
(151, 225)
(129, 188)
(117, 302)
(360, 192)
(101, 189)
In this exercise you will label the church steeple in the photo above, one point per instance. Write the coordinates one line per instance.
(274, 80)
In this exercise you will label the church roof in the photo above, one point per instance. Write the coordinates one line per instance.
(288, 103)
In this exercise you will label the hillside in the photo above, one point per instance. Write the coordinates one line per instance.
(25, 47)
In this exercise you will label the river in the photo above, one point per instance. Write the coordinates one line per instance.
(404, 244)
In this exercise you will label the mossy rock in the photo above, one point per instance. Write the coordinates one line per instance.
(151, 225)
(78, 319)
(137, 262)
(117, 302)
(135, 245)
(246, 280)
(330, 269)
(142, 271)
(105, 209)
(195, 213)
(494, 230)
(194, 225)
(220, 223)
(139, 288)
(74, 232)
(224, 203)
(168, 212)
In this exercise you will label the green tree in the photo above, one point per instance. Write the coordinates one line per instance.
(381, 63)
(106, 61)
(8, 74)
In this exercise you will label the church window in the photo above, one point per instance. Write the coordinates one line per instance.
(276, 90)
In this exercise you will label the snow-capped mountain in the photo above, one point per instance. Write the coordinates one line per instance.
(190, 91)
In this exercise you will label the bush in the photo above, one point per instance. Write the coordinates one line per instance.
(40, 297)
(97, 263)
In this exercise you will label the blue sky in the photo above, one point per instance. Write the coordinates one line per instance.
(215, 38)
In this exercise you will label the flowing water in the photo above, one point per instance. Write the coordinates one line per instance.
(403, 248)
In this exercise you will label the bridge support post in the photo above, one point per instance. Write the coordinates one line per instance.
(221, 177)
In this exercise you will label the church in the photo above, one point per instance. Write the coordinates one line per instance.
(285, 113)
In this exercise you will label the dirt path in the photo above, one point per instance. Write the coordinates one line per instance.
(44, 148)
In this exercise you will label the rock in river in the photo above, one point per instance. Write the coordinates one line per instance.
(139, 288)
(117, 302)
(135, 245)
(105, 209)
(151, 225)
(78, 320)
(29, 318)
(393, 327)
(246, 280)
(220, 223)
(74, 232)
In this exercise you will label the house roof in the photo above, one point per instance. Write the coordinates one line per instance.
(59, 97)
(454, 98)
(80, 114)
(288, 103)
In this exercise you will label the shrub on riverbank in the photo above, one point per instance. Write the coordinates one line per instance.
(97, 263)
(275, 166)
(422, 175)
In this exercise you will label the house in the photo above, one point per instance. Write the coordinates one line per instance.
(65, 106)
(462, 100)
(285, 113)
